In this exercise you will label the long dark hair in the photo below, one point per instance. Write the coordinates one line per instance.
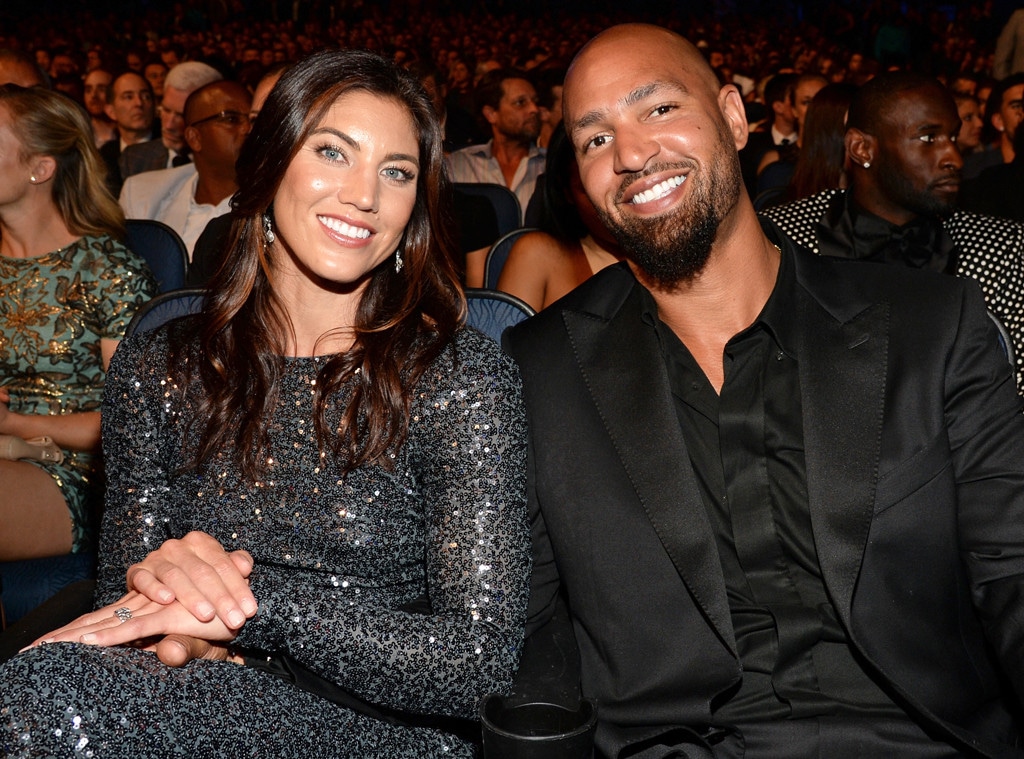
(403, 320)
(822, 149)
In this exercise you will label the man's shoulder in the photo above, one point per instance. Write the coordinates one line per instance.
(971, 231)
(473, 152)
(799, 217)
(141, 151)
(143, 193)
(600, 298)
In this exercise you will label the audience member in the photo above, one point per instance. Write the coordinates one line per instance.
(68, 288)
(156, 74)
(900, 205)
(777, 164)
(329, 422)
(186, 197)
(572, 244)
(132, 112)
(508, 102)
(211, 245)
(95, 98)
(821, 164)
(171, 149)
(1003, 112)
(780, 131)
(997, 190)
(783, 494)
(969, 138)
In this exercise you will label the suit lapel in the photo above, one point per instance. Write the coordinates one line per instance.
(628, 384)
(843, 362)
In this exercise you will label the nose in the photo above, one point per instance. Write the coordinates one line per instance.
(360, 188)
(633, 150)
(951, 158)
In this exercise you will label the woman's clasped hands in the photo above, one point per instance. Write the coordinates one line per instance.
(187, 599)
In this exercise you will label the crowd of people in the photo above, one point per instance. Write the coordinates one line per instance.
(774, 497)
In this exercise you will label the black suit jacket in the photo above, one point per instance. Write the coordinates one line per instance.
(143, 156)
(914, 449)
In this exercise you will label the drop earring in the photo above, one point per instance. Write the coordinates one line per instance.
(398, 261)
(268, 230)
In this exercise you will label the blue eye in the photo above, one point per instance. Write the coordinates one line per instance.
(331, 153)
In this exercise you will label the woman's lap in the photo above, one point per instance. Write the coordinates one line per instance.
(69, 699)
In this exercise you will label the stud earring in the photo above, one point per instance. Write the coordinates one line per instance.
(32, 179)
(867, 164)
(268, 230)
(399, 263)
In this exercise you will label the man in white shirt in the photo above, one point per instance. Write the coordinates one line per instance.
(508, 101)
(186, 197)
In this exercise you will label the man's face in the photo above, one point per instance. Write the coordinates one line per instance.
(1011, 112)
(131, 103)
(155, 74)
(221, 122)
(172, 118)
(518, 115)
(656, 146)
(97, 84)
(917, 158)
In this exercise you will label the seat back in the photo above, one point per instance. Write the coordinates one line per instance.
(498, 255)
(505, 203)
(161, 248)
(492, 311)
(166, 307)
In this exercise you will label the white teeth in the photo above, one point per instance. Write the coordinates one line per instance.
(659, 190)
(360, 233)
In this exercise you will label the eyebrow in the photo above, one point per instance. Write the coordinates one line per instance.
(355, 145)
(642, 92)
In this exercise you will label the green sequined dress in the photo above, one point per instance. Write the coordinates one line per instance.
(54, 310)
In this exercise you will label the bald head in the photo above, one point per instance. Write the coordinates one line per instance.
(17, 68)
(629, 48)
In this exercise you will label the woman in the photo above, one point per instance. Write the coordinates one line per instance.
(68, 289)
(821, 164)
(329, 415)
(574, 244)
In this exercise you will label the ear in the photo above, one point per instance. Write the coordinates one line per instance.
(194, 139)
(42, 167)
(861, 147)
(109, 110)
(731, 102)
(490, 114)
(997, 122)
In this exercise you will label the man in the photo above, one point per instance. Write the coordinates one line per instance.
(996, 191)
(186, 197)
(511, 158)
(780, 133)
(131, 110)
(1004, 110)
(18, 68)
(171, 149)
(94, 98)
(904, 176)
(782, 494)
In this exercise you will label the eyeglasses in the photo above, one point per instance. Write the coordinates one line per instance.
(230, 118)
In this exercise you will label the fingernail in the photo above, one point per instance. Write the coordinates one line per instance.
(249, 607)
(205, 609)
(236, 618)
(166, 596)
(88, 638)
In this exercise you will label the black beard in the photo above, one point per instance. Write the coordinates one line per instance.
(902, 193)
(674, 248)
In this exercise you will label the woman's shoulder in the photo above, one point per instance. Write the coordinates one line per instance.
(154, 347)
(471, 353)
(107, 256)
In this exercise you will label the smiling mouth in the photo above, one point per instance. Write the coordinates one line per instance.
(659, 190)
(337, 225)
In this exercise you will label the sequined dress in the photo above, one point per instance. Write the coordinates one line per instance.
(54, 310)
(335, 559)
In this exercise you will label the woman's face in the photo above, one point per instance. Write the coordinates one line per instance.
(347, 196)
(970, 125)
